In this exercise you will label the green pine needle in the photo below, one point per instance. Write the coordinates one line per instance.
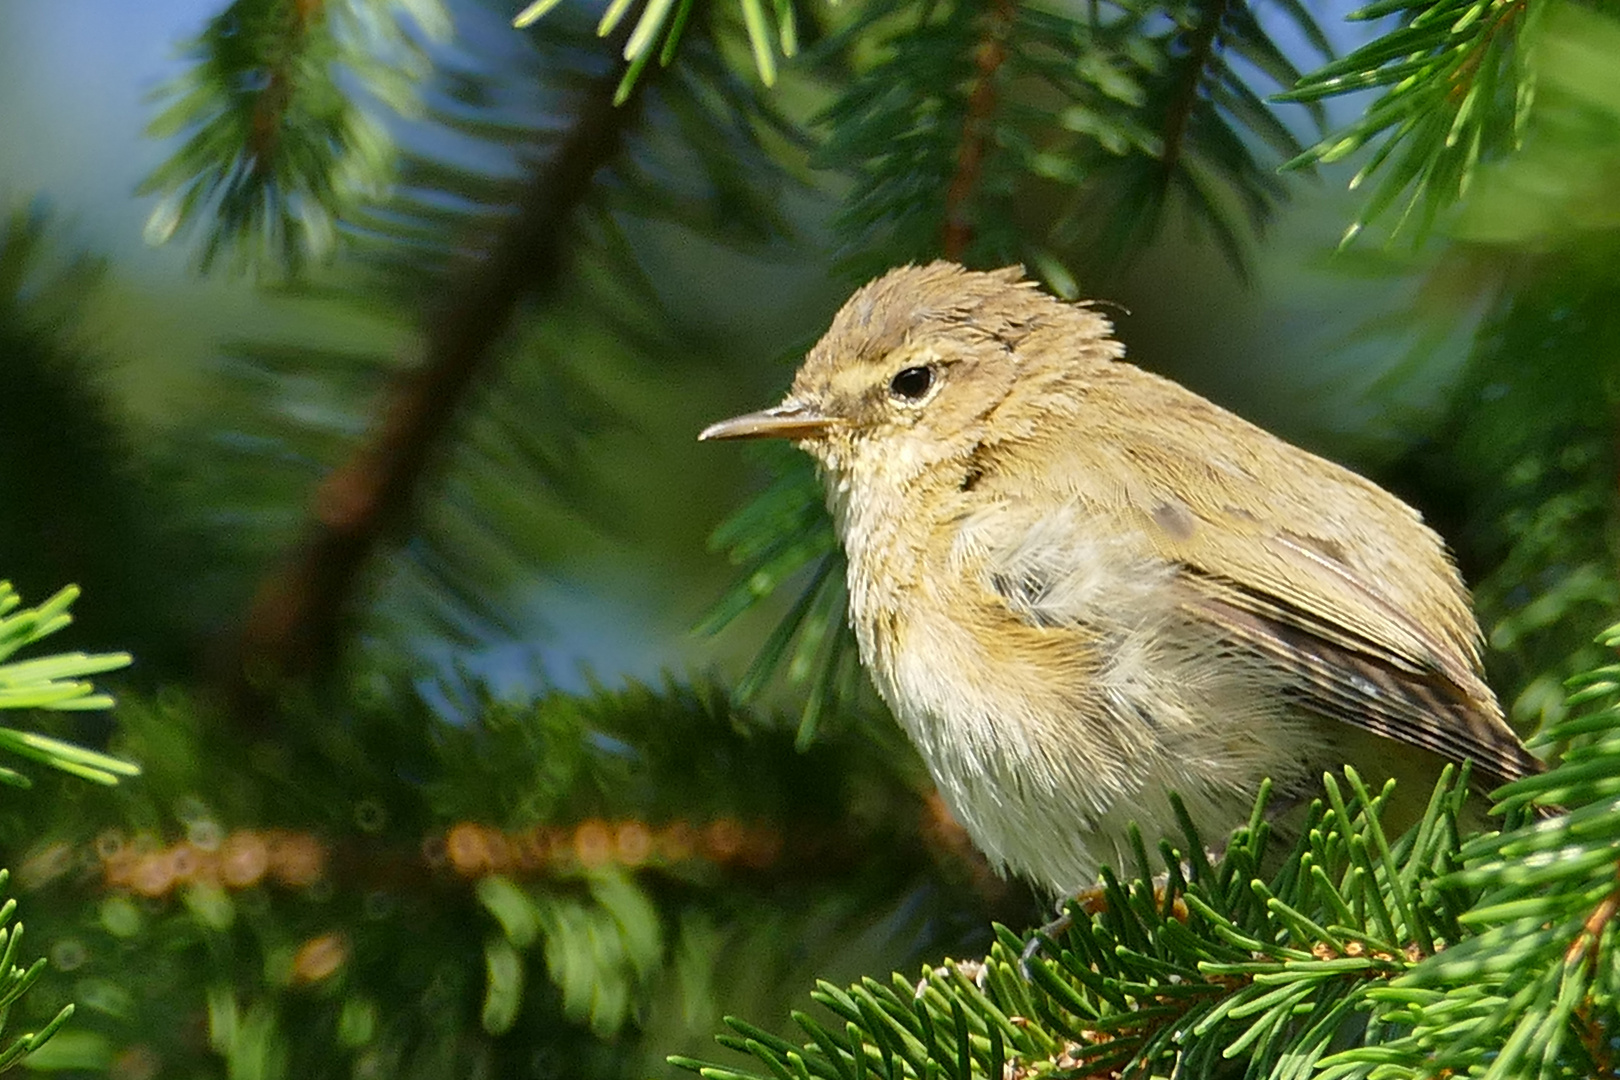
(1361, 955)
(54, 682)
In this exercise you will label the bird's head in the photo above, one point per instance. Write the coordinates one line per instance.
(918, 362)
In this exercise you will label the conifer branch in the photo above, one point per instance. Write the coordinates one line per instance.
(59, 682)
(1456, 91)
(291, 628)
(277, 148)
(1201, 46)
(976, 131)
(1362, 955)
(268, 112)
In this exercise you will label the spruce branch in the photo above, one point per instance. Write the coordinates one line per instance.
(977, 130)
(658, 30)
(664, 780)
(1456, 91)
(292, 625)
(15, 981)
(514, 482)
(1212, 128)
(1199, 44)
(1363, 955)
(975, 114)
(58, 682)
(278, 148)
(780, 538)
(584, 866)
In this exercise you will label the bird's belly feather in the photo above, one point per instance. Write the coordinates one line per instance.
(1049, 737)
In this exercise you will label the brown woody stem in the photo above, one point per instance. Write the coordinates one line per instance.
(981, 105)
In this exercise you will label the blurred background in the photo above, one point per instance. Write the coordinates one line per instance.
(352, 355)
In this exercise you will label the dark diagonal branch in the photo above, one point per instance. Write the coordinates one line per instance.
(981, 106)
(1201, 42)
(292, 625)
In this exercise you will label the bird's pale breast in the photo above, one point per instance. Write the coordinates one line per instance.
(1045, 673)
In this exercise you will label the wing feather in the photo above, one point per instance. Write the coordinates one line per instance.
(1319, 571)
(1360, 688)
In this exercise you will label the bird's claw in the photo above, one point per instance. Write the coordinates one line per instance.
(1046, 935)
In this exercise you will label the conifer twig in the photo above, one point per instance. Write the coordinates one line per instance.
(1200, 49)
(981, 104)
(291, 627)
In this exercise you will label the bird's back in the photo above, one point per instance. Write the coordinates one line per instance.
(1307, 565)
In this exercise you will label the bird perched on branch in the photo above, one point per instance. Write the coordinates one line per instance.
(1080, 586)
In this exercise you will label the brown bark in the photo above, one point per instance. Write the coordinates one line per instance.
(981, 106)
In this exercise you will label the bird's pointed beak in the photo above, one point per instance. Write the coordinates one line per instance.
(789, 420)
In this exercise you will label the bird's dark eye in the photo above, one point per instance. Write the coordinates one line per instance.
(911, 383)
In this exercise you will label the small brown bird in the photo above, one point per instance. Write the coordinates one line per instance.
(1080, 586)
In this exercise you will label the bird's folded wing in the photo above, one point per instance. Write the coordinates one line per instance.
(1291, 556)
(1363, 683)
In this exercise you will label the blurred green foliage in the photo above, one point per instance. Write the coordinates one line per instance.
(57, 683)
(371, 936)
(280, 145)
(70, 477)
